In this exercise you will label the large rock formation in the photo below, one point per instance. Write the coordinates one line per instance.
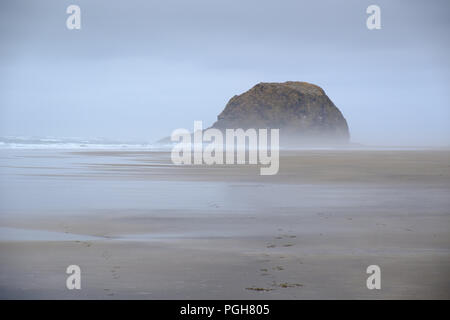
(302, 111)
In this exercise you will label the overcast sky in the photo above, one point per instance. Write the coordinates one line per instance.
(139, 69)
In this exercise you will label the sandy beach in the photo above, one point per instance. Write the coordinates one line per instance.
(140, 227)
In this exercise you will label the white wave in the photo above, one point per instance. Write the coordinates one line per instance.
(75, 143)
(104, 144)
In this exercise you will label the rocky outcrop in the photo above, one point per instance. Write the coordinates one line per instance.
(302, 111)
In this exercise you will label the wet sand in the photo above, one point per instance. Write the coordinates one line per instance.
(142, 228)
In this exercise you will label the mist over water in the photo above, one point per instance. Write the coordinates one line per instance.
(140, 69)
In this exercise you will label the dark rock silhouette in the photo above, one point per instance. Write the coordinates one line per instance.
(302, 111)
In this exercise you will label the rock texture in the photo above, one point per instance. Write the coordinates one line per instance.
(302, 111)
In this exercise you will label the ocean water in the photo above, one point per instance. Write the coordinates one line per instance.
(77, 144)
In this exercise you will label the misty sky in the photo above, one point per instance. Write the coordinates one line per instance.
(139, 69)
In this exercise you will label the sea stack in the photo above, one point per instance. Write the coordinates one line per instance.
(302, 111)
